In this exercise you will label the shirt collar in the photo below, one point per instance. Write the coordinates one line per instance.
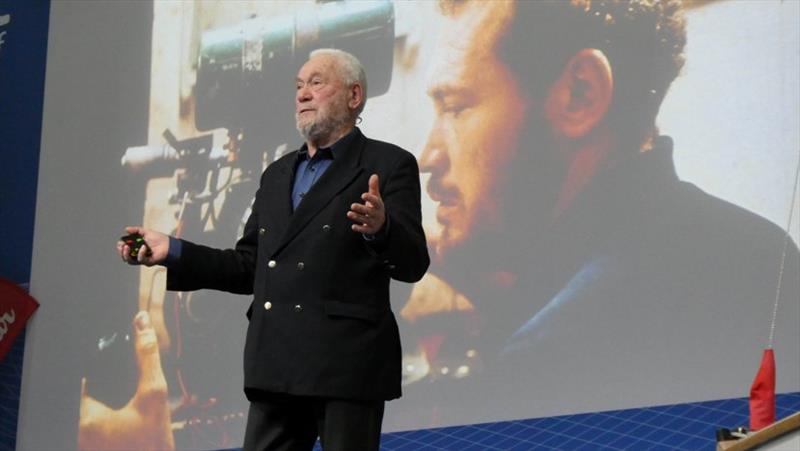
(330, 151)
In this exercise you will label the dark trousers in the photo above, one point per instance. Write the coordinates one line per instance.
(278, 422)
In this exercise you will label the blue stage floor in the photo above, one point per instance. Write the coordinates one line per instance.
(682, 426)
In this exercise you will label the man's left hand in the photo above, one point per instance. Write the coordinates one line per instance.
(370, 216)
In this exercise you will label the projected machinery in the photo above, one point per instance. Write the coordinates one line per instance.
(243, 70)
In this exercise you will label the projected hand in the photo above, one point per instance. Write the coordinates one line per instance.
(153, 252)
(369, 216)
(143, 423)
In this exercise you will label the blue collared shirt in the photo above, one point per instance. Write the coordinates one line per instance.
(309, 170)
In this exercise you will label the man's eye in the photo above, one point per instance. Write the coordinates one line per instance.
(454, 104)
(453, 108)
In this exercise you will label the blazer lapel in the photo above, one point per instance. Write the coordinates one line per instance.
(278, 208)
(344, 169)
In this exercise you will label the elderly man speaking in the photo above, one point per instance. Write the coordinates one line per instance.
(331, 224)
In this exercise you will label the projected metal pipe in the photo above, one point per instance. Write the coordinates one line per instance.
(247, 70)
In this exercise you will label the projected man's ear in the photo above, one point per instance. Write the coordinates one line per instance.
(581, 96)
(576, 110)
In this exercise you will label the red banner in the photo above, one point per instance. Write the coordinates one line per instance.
(16, 306)
(762, 393)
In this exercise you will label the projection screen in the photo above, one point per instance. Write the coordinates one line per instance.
(563, 279)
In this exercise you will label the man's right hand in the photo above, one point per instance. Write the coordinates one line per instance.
(156, 243)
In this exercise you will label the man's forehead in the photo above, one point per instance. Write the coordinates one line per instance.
(486, 18)
(467, 44)
(320, 65)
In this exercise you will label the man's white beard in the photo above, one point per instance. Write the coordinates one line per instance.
(322, 127)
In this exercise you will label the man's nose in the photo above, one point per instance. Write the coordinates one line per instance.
(303, 94)
(434, 158)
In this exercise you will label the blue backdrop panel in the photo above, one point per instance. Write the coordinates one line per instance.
(23, 49)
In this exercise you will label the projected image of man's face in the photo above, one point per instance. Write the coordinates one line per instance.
(479, 114)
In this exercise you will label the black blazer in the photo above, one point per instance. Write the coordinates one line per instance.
(320, 320)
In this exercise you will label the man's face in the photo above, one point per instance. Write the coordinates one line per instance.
(480, 111)
(321, 99)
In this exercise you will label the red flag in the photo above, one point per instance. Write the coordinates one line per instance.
(16, 306)
(762, 393)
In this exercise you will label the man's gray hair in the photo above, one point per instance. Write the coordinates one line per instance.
(350, 69)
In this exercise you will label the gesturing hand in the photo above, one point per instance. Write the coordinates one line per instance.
(153, 252)
(370, 216)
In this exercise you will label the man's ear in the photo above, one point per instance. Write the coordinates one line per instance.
(356, 96)
(580, 97)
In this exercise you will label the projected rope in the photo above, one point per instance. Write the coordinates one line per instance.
(783, 255)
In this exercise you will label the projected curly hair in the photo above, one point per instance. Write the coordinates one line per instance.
(642, 39)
